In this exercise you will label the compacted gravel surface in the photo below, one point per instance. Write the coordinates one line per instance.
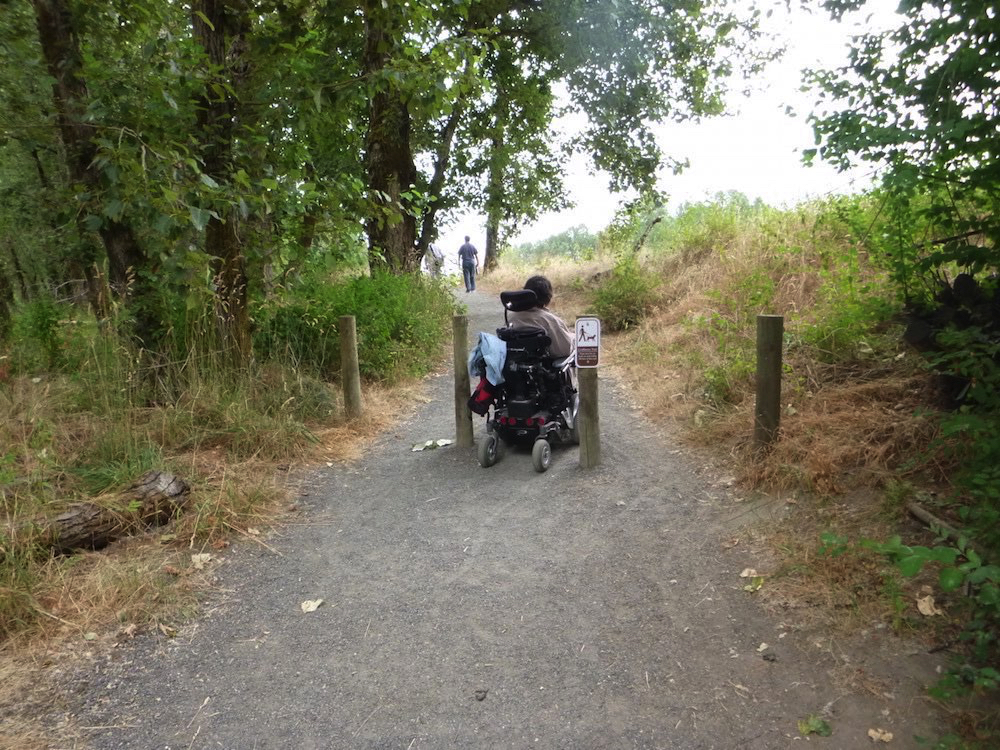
(502, 608)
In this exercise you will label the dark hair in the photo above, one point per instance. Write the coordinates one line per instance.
(466, 238)
(542, 288)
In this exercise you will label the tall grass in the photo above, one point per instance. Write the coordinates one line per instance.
(83, 413)
(688, 297)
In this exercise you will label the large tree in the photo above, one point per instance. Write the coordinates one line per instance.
(921, 101)
(58, 34)
(625, 64)
(221, 29)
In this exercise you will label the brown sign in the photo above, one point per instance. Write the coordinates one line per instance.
(588, 342)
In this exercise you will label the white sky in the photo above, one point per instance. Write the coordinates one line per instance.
(756, 150)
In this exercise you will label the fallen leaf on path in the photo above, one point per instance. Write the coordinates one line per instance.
(880, 735)
(927, 607)
(755, 583)
(200, 560)
(620, 503)
(167, 630)
(253, 532)
(172, 570)
(762, 647)
(90, 636)
(167, 538)
(814, 725)
(731, 543)
(748, 573)
(311, 605)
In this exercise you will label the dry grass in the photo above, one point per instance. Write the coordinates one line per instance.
(843, 436)
(70, 609)
(572, 282)
(848, 429)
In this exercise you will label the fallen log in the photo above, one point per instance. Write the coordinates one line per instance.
(153, 499)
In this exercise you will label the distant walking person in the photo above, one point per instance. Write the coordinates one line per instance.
(469, 256)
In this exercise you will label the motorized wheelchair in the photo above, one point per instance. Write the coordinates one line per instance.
(537, 403)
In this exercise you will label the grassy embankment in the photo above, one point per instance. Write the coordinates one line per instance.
(82, 415)
(865, 422)
(858, 426)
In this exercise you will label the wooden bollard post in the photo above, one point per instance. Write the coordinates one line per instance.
(589, 420)
(767, 414)
(463, 387)
(349, 371)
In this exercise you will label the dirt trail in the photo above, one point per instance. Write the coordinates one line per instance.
(501, 608)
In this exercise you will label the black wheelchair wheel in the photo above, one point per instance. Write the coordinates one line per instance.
(541, 455)
(489, 450)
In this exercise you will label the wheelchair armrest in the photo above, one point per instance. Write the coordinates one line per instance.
(562, 364)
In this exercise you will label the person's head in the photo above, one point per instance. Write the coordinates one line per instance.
(542, 288)
(466, 238)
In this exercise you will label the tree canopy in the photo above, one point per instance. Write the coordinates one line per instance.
(206, 152)
(920, 101)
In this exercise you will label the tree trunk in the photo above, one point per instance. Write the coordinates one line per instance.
(442, 159)
(494, 203)
(6, 303)
(492, 253)
(22, 280)
(42, 177)
(308, 234)
(97, 291)
(220, 27)
(392, 230)
(154, 499)
(126, 260)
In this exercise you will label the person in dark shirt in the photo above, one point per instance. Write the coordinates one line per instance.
(469, 257)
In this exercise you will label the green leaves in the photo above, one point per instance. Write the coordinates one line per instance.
(814, 725)
(200, 218)
(950, 579)
(917, 101)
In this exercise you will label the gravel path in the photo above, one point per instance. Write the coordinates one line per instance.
(501, 608)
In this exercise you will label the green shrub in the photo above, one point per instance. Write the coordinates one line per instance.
(401, 323)
(626, 297)
(45, 335)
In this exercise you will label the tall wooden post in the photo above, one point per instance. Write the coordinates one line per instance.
(767, 414)
(589, 420)
(349, 371)
(463, 387)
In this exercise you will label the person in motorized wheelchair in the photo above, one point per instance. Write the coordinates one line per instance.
(537, 401)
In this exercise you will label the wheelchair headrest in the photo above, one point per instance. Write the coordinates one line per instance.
(519, 301)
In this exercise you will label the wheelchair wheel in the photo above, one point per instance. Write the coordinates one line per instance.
(574, 433)
(489, 451)
(541, 455)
